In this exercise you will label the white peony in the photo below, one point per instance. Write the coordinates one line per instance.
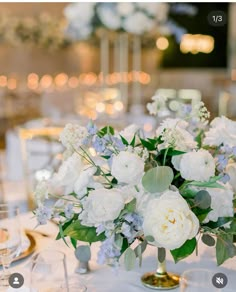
(138, 23)
(231, 171)
(170, 221)
(129, 132)
(74, 176)
(79, 12)
(73, 135)
(175, 160)
(127, 168)
(109, 17)
(221, 203)
(197, 165)
(174, 134)
(125, 8)
(222, 131)
(102, 205)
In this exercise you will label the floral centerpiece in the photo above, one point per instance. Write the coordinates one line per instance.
(126, 190)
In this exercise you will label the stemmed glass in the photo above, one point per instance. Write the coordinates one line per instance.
(49, 272)
(10, 239)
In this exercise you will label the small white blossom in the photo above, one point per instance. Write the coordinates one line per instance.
(73, 136)
(41, 192)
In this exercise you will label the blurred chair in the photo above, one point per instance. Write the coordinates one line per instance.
(227, 105)
(190, 96)
(41, 155)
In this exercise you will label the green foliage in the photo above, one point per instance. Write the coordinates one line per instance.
(208, 240)
(203, 200)
(220, 222)
(150, 144)
(129, 259)
(106, 130)
(83, 233)
(130, 207)
(185, 250)
(124, 141)
(158, 179)
(212, 183)
(225, 248)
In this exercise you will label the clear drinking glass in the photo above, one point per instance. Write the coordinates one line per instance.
(196, 280)
(49, 272)
(75, 285)
(10, 239)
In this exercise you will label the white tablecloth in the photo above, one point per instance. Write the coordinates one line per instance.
(103, 279)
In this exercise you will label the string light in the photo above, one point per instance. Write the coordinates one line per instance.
(197, 43)
(162, 43)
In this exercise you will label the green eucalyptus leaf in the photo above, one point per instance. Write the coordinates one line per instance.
(158, 179)
(203, 199)
(130, 207)
(225, 248)
(185, 250)
(119, 240)
(208, 240)
(149, 238)
(129, 259)
(220, 222)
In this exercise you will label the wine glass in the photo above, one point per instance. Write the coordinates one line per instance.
(196, 280)
(10, 239)
(49, 272)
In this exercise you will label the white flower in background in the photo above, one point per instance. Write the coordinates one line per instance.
(158, 105)
(102, 205)
(200, 113)
(162, 12)
(127, 168)
(109, 17)
(79, 12)
(221, 203)
(231, 171)
(125, 8)
(175, 135)
(197, 165)
(222, 131)
(170, 221)
(129, 132)
(73, 135)
(41, 192)
(138, 23)
(74, 176)
(149, 8)
(175, 160)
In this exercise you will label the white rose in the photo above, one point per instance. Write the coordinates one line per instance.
(102, 205)
(174, 134)
(127, 168)
(129, 132)
(175, 160)
(197, 165)
(125, 8)
(74, 176)
(109, 17)
(170, 221)
(221, 203)
(231, 171)
(222, 131)
(72, 136)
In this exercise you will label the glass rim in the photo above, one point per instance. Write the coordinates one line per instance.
(37, 259)
(183, 277)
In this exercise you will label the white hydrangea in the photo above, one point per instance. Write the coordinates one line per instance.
(125, 8)
(79, 12)
(138, 23)
(221, 203)
(175, 135)
(197, 165)
(127, 168)
(109, 17)
(72, 136)
(158, 105)
(170, 220)
(222, 131)
(41, 192)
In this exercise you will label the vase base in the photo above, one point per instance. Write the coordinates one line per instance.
(156, 281)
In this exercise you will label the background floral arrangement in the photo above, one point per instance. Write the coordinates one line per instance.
(127, 190)
(85, 19)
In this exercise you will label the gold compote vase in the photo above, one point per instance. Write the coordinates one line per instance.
(160, 279)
